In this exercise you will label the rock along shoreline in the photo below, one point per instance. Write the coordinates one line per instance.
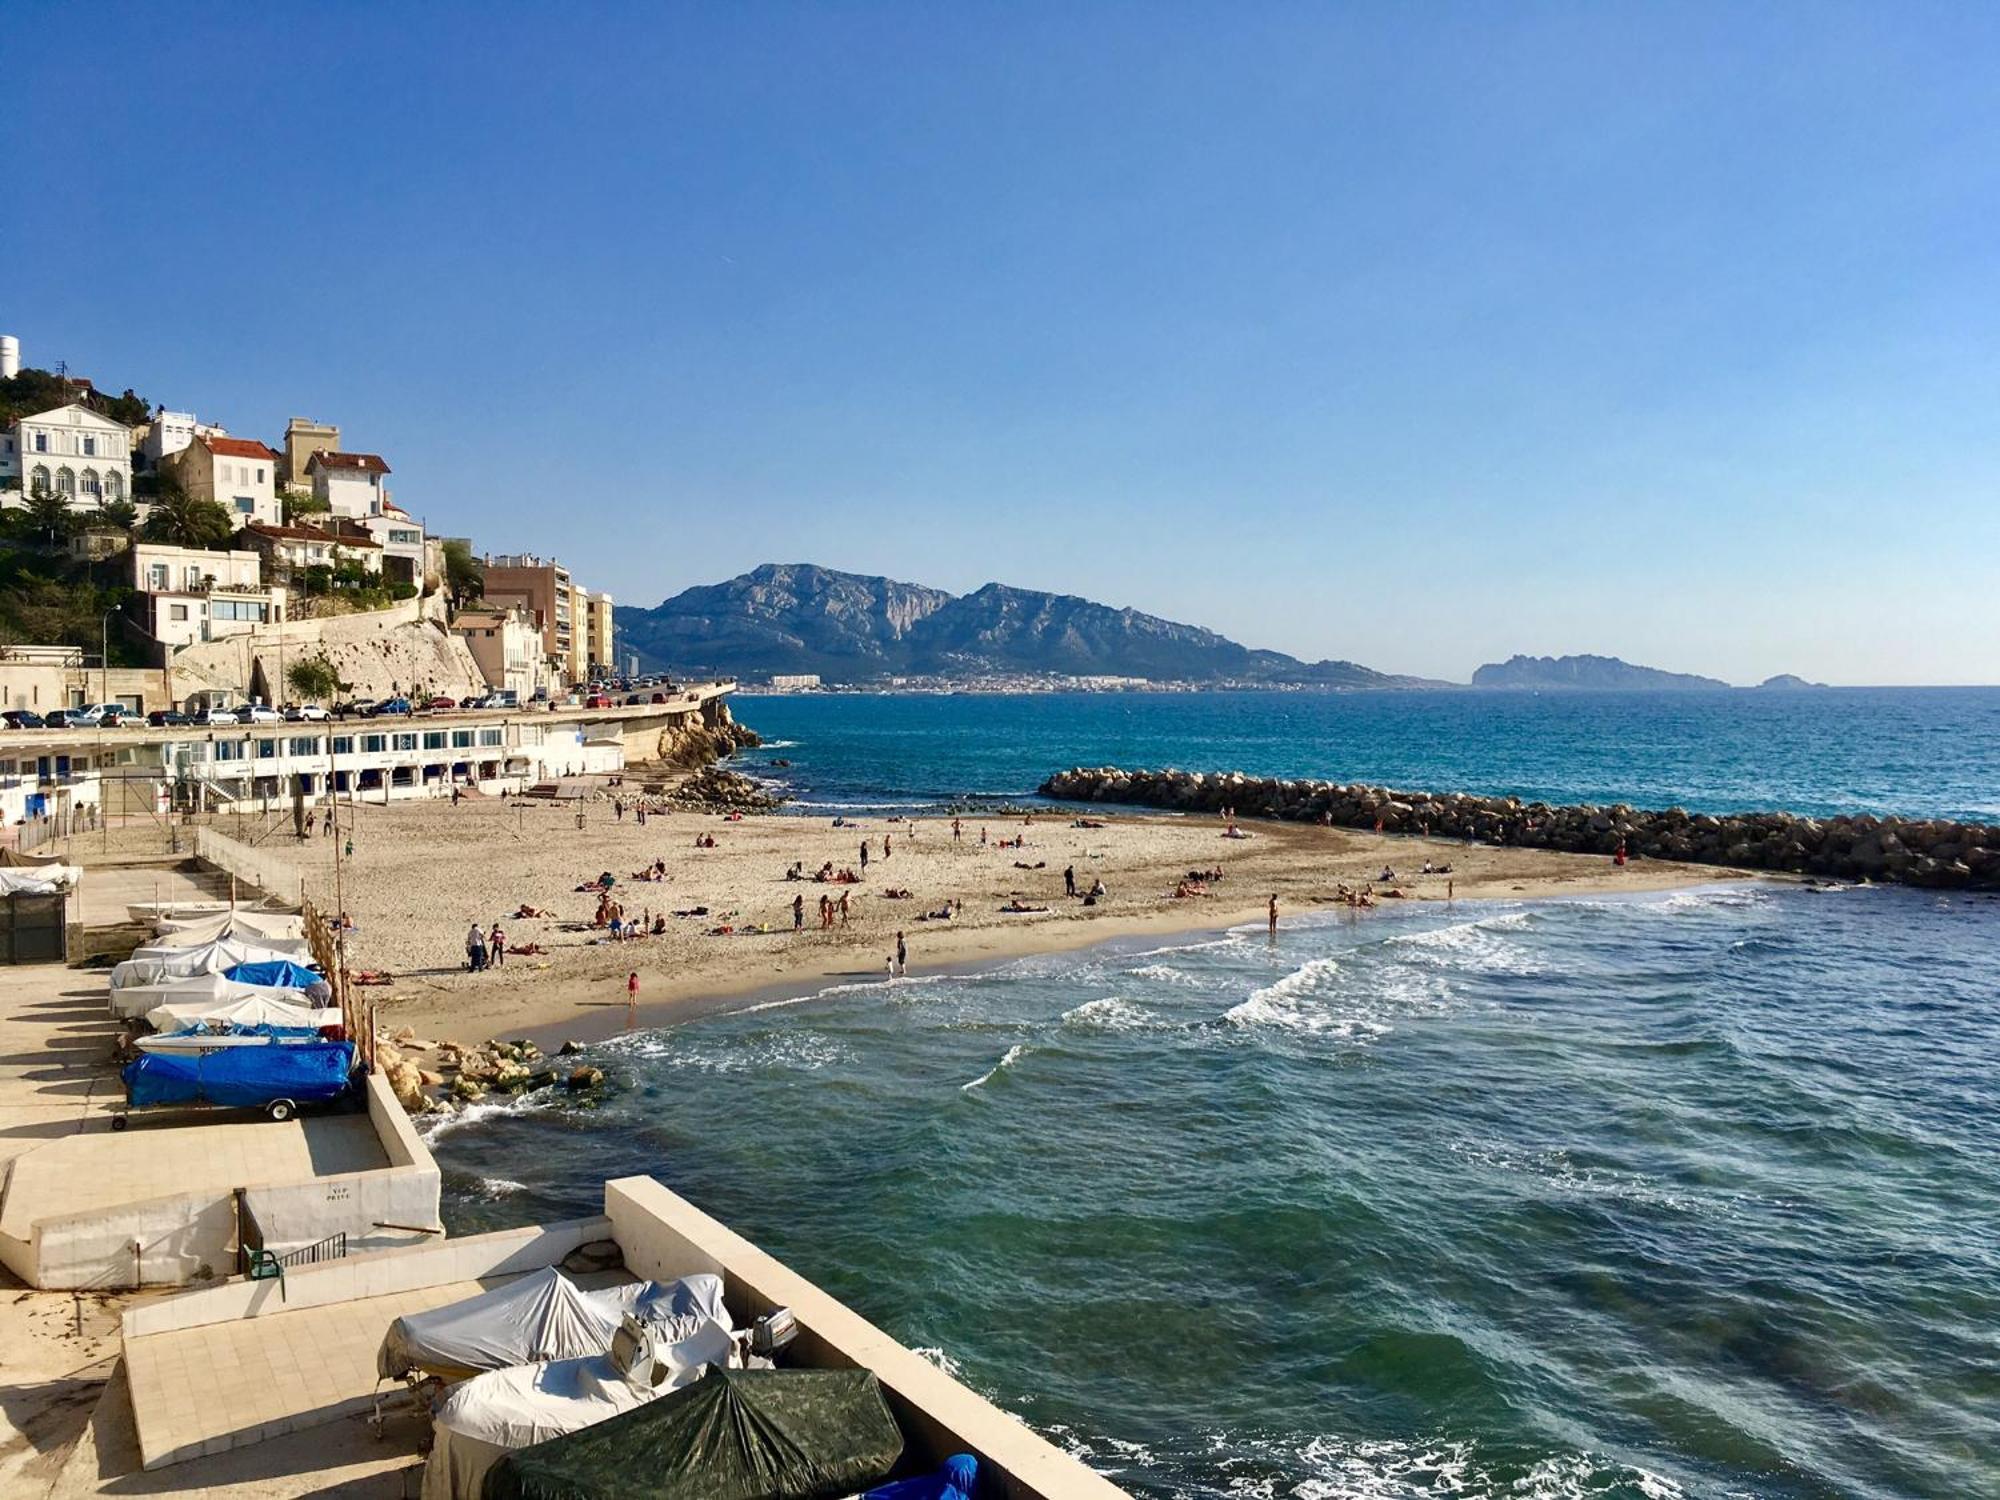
(1913, 851)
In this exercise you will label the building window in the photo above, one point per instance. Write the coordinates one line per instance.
(266, 749)
(406, 742)
(89, 447)
(156, 577)
(461, 739)
(230, 749)
(245, 505)
(93, 487)
(177, 612)
(260, 473)
(305, 745)
(343, 744)
(114, 487)
(434, 739)
(374, 743)
(66, 481)
(490, 737)
(39, 484)
(41, 442)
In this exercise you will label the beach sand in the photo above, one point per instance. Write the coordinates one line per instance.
(423, 872)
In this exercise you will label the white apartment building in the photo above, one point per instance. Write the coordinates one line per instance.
(239, 474)
(192, 595)
(350, 484)
(169, 433)
(402, 542)
(287, 547)
(71, 451)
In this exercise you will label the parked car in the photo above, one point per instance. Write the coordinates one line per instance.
(442, 702)
(597, 700)
(166, 718)
(21, 718)
(306, 713)
(388, 706)
(477, 700)
(210, 718)
(85, 717)
(260, 713)
(660, 698)
(115, 716)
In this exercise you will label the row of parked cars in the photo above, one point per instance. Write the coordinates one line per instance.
(118, 716)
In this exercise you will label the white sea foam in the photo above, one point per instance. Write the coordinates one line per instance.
(1307, 1002)
(482, 1111)
(1109, 1013)
(1481, 946)
(1014, 1054)
(939, 1358)
(1163, 974)
(501, 1187)
(1340, 1468)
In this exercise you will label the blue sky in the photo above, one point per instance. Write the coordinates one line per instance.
(1416, 335)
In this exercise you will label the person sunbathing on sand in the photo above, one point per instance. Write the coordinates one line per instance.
(1018, 905)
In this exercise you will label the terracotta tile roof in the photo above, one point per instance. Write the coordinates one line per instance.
(237, 448)
(366, 462)
(312, 534)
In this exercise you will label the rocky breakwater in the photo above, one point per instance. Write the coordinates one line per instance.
(1913, 851)
(699, 739)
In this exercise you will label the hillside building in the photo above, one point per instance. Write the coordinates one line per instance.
(71, 451)
(239, 474)
(304, 438)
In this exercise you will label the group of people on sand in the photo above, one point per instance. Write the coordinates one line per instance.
(485, 949)
(829, 909)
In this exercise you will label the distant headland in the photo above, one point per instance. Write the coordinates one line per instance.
(802, 626)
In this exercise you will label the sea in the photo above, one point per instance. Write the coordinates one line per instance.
(1688, 1194)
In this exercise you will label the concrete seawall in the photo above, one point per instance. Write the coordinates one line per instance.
(1913, 851)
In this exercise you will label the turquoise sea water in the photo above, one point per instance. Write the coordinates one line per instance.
(1931, 752)
(1685, 1195)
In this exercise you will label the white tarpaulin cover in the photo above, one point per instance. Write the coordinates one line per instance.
(253, 1011)
(502, 1410)
(270, 928)
(152, 965)
(209, 989)
(38, 880)
(540, 1316)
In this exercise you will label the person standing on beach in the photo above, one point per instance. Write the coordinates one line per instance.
(888, 844)
(496, 944)
(798, 913)
(843, 908)
(632, 989)
(475, 949)
(1069, 880)
(1274, 914)
(957, 831)
(864, 856)
(902, 954)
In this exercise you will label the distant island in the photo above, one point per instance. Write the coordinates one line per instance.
(1785, 681)
(786, 619)
(1587, 673)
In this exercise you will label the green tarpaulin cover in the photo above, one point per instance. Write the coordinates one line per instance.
(732, 1435)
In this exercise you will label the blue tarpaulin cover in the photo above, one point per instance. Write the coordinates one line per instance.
(234, 1028)
(281, 972)
(955, 1481)
(241, 1077)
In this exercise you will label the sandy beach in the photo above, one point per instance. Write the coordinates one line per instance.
(422, 873)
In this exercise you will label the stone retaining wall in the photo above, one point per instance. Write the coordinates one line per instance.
(1914, 851)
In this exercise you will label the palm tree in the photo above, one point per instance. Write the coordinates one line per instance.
(185, 521)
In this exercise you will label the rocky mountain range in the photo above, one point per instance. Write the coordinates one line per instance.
(785, 618)
(1598, 673)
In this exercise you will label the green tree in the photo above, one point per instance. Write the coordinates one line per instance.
(120, 513)
(183, 520)
(49, 515)
(313, 678)
(464, 578)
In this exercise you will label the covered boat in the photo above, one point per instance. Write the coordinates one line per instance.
(538, 1317)
(151, 965)
(491, 1415)
(38, 880)
(208, 989)
(257, 1009)
(732, 1435)
(243, 1077)
(278, 973)
(204, 1038)
(268, 927)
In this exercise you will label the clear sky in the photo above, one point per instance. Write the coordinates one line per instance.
(1413, 334)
